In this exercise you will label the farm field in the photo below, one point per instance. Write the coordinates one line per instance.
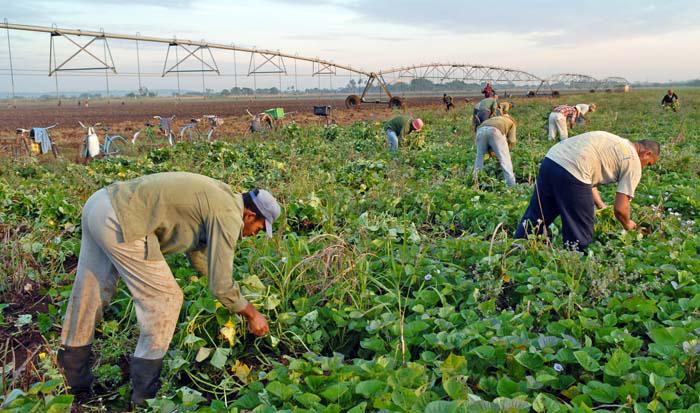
(392, 283)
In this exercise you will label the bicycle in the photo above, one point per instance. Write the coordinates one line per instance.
(150, 133)
(91, 148)
(191, 131)
(25, 142)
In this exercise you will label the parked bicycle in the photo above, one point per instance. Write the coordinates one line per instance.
(191, 131)
(92, 148)
(34, 141)
(153, 135)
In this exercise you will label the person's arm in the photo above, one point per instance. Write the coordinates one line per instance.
(622, 211)
(511, 136)
(597, 199)
(222, 233)
(198, 261)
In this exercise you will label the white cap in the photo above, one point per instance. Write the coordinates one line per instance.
(268, 207)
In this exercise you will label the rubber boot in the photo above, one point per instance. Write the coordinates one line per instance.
(75, 363)
(145, 379)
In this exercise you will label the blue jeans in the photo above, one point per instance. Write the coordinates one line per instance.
(393, 140)
(558, 193)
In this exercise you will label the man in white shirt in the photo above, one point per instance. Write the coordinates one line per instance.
(568, 179)
(584, 108)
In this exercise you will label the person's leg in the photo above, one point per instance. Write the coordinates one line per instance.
(542, 209)
(156, 295)
(577, 212)
(499, 144)
(393, 140)
(481, 148)
(562, 127)
(94, 286)
(552, 126)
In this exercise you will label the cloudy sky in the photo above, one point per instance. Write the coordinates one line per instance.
(640, 40)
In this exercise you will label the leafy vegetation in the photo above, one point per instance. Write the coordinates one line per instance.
(391, 284)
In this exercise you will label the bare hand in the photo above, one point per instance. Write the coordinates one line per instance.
(257, 324)
(631, 225)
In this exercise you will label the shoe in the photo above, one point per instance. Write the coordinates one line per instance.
(75, 363)
(145, 379)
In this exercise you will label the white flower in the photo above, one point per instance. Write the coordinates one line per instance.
(428, 277)
(558, 367)
(283, 260)
(674, 285)
(437, 271)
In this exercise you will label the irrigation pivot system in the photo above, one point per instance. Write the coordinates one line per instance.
(181, 54)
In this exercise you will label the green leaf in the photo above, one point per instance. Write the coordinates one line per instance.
(512, 405)
(619, 364)
(280, 390)
(442, 406)
(586, 361)
(190, 397)
(369, 388)
(657, 381)
(532, 361)
(456, 387)
(360, 408)
(544, 403)
(334, 392)
(60, 404)
(506, 387)
(600, 392)
(483, 352)
(453, 365)
(668, 335)
(219, 358)
(375, 344)
(307, 399)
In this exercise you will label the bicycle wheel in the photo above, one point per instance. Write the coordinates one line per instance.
(189, 134)
(115, 145)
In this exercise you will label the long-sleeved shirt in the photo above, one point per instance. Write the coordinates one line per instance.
(669, 99)
(583, 108)
(401, 125)
(490, 104)
(504, 124)
(505, 107)
(181, 212)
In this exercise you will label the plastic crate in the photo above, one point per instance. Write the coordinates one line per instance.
(322, 110)
(276, 113)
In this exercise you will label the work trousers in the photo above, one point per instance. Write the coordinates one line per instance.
(104, 259)
(557, 124)
(393, 140)
(488, 137)
(558, 193)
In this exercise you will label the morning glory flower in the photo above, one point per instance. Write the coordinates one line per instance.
(428, 277)
(558, 367)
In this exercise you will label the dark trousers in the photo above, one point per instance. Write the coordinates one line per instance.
(479, 116)
(558, 193)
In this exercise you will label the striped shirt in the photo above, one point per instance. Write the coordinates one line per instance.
(567, 111)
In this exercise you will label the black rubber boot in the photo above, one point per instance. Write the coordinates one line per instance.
(75, 363)
(145, 379)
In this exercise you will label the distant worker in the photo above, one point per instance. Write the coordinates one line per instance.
(488, 90)
(670, 100)
(486, 108)
(447, 100)
(569, 177)
(400, 126)
(127, 229)
(505, 107)
(584, 109)
(498, 135)
(560, 120)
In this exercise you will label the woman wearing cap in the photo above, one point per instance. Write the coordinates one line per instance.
(400, 126)
(127, 228)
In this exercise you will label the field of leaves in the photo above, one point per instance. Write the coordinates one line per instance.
(392, 284)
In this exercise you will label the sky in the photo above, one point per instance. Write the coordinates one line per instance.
(640, 40)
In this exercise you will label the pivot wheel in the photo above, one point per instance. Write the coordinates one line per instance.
(396, 103)
(352, 102)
